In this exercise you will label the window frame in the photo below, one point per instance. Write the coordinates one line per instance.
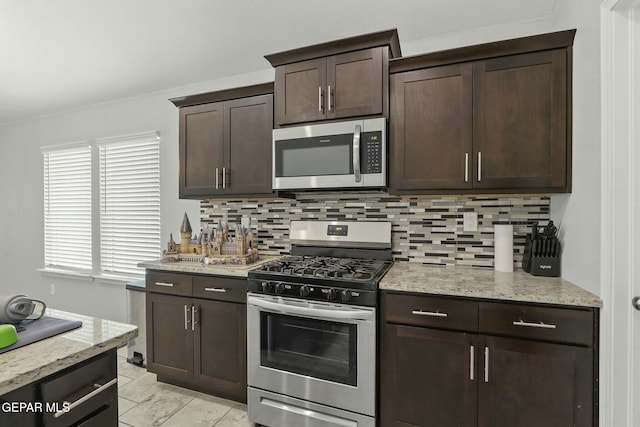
(97, 270)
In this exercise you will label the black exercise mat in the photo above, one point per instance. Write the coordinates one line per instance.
(30, 331)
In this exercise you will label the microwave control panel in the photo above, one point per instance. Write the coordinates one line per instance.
(371, 147)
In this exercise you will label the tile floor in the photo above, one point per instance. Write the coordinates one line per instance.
(142, 402)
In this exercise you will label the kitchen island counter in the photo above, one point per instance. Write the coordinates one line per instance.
(35, 361)
(518, 286)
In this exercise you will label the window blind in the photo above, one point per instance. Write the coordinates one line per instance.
(67, 208)
(129, 203)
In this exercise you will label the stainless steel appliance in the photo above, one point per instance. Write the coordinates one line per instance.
(311, 327)
(351, 154)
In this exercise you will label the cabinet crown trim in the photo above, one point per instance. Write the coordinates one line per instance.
(223, 95)
(382, 38)
(556, 40)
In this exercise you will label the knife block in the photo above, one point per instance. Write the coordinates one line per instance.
(540, 265)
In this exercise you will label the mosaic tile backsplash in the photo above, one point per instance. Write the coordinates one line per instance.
(424, 229)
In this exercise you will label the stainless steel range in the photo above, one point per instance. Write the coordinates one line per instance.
(311, 322)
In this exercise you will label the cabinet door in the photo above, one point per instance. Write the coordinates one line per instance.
(221, 349)
(248, 124)
(428, 377)
(354, 84)
(169, 336)
(201, 148)
(533, 383)
(431, 129)
(300, 91)
(520, 137)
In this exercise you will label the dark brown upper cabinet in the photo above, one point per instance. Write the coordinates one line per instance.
(225, 142)
(492, 118)
(334, 80)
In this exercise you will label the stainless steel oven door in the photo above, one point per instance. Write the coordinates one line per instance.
(319, 352)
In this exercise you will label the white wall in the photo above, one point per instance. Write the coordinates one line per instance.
(21, 189)
(578, 213)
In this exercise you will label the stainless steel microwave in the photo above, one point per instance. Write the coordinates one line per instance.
(351, 154)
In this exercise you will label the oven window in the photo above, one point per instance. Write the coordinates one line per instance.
(317, 348)
(314, 156)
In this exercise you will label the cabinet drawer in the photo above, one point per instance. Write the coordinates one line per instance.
(436, 312)
(220, 288)
(81, 391)
(566, 325)
(168, 283)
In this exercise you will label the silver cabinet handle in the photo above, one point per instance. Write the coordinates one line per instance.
(98, 390)
(466, 167)
(356, 153)
(471, 364)
(329, 98)
(168, 285)
(217, 179)
(186, 317)
(534, 325)
(194, 310)
(224, 174)
(320, 99)
(486, 364)
(215, 289)
(479, 166)
(636, 303)
(429, 313)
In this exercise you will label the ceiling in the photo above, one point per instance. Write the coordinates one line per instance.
(59, 55)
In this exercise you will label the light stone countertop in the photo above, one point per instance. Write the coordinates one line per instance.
(237, 270)
(35, 361)
(485, 283)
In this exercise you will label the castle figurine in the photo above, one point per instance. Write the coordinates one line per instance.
(212, 246)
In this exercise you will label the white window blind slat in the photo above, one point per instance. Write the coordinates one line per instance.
(67, 208)
(129, 203)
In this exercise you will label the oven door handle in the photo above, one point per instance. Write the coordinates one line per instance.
(328, 314)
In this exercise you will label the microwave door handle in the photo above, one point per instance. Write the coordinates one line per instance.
(356, 153)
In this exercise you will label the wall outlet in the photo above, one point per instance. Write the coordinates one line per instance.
(470, 221)
(52, 288)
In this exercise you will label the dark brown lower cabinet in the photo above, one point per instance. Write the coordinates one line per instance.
(221, 347)
(535, 384)
(438, 368)
(198, 343)
(85, 394)
(425, 377)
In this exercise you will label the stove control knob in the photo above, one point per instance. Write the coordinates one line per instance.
(332, 294)
(304, 291)
(279, 288)
(267, 287)
(345, 295)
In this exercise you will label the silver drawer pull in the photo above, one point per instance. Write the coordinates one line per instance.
(472, 358)
(169, 285)
(98, 390)
(429, 313)
(534, 325)
(215, 289)
(486, 364)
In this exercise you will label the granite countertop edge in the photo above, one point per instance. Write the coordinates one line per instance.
(484, 283)
(38, 360)
(235, 270)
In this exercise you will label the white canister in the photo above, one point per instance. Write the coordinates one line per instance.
(503, 245)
